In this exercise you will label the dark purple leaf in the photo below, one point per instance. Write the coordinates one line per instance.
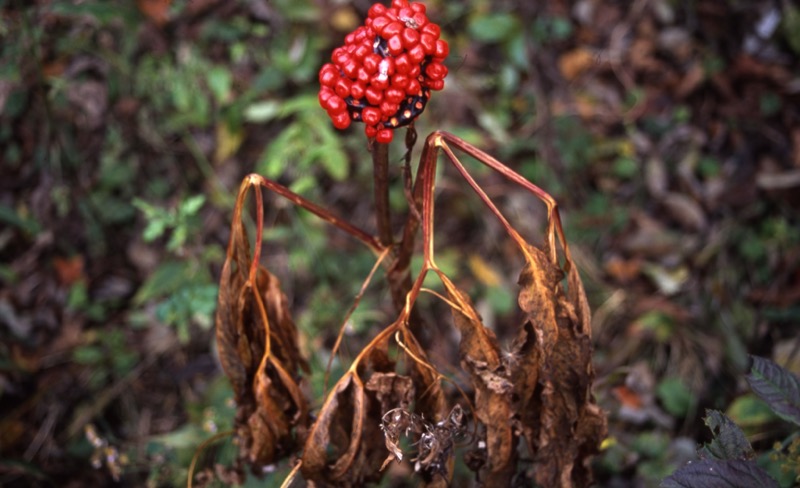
(720, 474)
(776, 386)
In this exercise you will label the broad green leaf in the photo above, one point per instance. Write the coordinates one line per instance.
(729, 441)
(776, 386)
(712, 473)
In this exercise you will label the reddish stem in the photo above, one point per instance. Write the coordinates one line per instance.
(380, 160)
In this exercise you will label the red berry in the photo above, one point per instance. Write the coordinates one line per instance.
(410, 37)
(341, 121)
(349, 38)
(371, 62)
(350, 68)
(371, 115)
(376, 10)
(357, 91)
(404, 13)
(386, 66)
(374, 95)
(384, 136)
(370, 131)
(418, 7)
(436, 84)
(362, 75)
(400, 81)
(414, 88)
(428, 43)
(379, 82)
(342, 87)
(379, 23)
(403, 64)
(394, 95)
(399, 3)
(324, 94)
(435, 71)
(432, 29)
(328, 75)
(442, 49)
(340, 57)
(420, 19)
(388, 108)
(335, 105)
(395, 45)
(414, 72)
(361, 51)
(391, 29)
(416, 54)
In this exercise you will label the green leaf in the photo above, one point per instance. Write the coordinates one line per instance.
(712, 473)
(87, 355)
(729, 441)
(750, 413)
(102, 12)
(791, 26)
(776, 386)
(675, 396)
(219, 82)
(11, 217)
(261, 112)
(166, 279)
(155, 229)
(493, 28)
(192, 205)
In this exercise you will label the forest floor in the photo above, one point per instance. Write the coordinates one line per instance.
(669, 133)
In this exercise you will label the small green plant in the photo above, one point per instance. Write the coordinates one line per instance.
(181, 220)
(729, 459)
(183, 289)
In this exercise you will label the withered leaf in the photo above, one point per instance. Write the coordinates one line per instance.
(391, 390)
(257, 344)
(335, 437)
(553, 373)
(480, 357)
(430, 398)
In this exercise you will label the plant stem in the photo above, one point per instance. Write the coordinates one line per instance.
(380, 160)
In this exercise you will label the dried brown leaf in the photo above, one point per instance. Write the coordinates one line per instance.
(391, 390)
(553, 374)
(430, 398)
(257, 344)
(480, 357)
(335, 437)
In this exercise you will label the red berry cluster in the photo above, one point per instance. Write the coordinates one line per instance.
(385, 71)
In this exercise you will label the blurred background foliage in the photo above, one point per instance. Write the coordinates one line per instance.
(668, 131)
